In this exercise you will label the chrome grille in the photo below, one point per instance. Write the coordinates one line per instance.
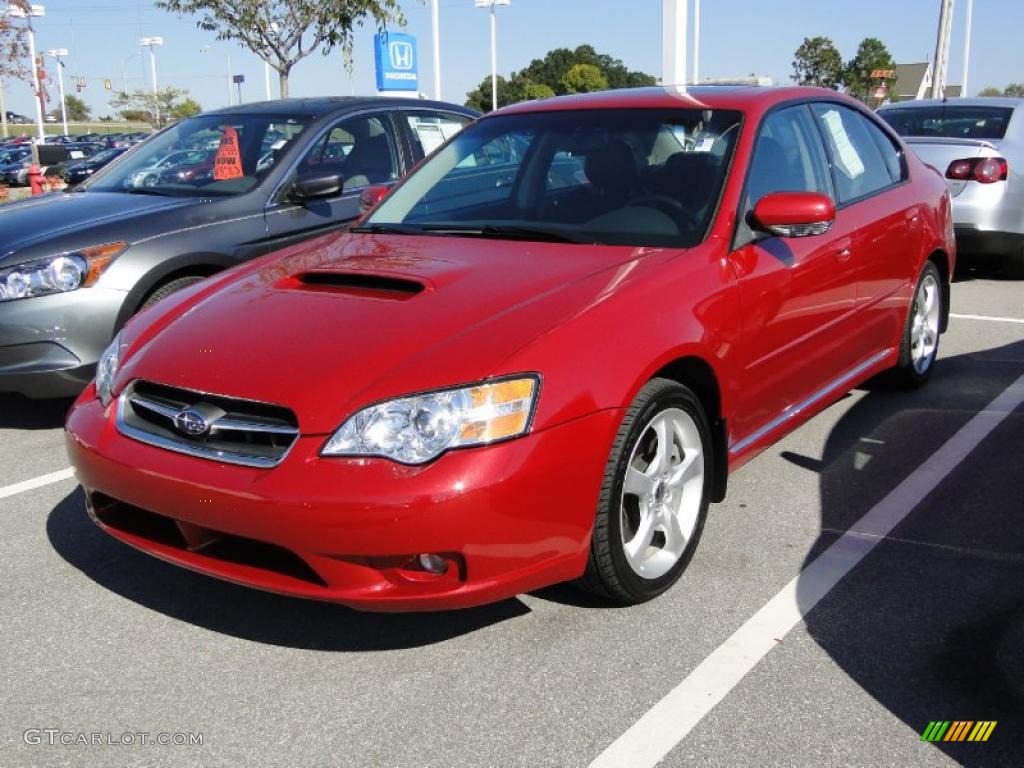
(205, 425)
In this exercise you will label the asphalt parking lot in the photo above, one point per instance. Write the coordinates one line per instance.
(928, 624)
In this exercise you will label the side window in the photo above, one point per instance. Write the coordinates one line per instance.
(857, 164)
(889, 151)
(362, 149)
(429, 129)
(787, 157)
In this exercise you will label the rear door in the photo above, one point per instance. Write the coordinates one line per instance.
(798, 294)
(869, 177)
(364, 149)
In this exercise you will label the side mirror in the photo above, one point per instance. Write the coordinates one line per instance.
(794, 214)
(371, 196)
(314, 186)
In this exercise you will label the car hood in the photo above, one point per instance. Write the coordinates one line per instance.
(34, 220)
(328, 329)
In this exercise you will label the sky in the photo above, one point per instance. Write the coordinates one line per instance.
(738, 37)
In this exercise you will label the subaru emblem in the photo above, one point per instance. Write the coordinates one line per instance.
(191, 422)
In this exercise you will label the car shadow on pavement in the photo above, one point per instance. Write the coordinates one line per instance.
(931, 622)
(243, 612)
(17, 412)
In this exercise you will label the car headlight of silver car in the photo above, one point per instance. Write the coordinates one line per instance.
(419, 428)
(57, 274)
(106, 369)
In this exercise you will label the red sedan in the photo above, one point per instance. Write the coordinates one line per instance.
(536, 360)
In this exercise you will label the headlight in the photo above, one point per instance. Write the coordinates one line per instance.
(106, 369)
(416, 429)
(57, 274)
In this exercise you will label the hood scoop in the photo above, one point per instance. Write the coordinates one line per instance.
(363, 284)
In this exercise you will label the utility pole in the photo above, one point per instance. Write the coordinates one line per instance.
(436, 27)
(673, 42)
(3, 108)
(967, 48)
(941, 67)
(696, 42)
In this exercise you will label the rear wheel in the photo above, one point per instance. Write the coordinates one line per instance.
(171, 286)
(920, 344)
(654, 498)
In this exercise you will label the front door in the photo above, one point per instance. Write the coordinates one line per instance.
(364, 150)
(798, 295)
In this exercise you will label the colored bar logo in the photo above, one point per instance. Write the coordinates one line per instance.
(958, 730)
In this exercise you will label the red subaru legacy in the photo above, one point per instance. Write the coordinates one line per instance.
(536, 360)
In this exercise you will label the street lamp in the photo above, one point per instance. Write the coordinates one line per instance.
(58, 54)
(436, 30)
(35, 11)
(151, 43)
(494, 45)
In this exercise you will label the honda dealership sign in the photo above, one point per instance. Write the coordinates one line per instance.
(397, 67)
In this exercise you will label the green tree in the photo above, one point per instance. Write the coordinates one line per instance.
(990, 91)
(13, 48)
(584, 78)
(817, 62)
(78, 110)
(186, 108)
(871, 55)
(537, 91)
(1016, 90)
(550, 73)
(283, 32)
(141, 106)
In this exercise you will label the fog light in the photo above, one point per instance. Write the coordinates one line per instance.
(433, 563)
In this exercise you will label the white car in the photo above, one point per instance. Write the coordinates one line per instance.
(150, 175)
(978, 145)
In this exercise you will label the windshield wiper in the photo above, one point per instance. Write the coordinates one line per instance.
(519, 232)
(145, 191)
(392, 229)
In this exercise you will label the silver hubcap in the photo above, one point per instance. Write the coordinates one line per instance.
(661, 494)
(924, 333)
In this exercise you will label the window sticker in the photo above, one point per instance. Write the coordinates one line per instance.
(847, 159)
(228, 162)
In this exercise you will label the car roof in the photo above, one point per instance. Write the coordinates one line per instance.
(323, 105)
(745, 98)
(980, 101)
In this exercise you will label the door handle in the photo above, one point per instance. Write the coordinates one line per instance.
(912, 215)
(843, 250)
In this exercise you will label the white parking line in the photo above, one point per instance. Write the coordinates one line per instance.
(668, 722)
(36, 482)
(990, 318)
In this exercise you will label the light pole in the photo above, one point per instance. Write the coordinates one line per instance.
(58, 54)
(942, 49)
(494, 45)
(436, 28)
(967, 47)
(152, 43)
(673, 42)
(696, 42)
(124, 70)
(35, 11)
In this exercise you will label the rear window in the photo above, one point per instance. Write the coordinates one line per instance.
(950, 122)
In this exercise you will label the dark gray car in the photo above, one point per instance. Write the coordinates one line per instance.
(75, 266)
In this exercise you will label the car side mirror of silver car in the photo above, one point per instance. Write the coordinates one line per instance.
(316, 186)
(794, 214)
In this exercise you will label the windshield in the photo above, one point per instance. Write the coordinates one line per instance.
(949, 122)
(622, 177)
(205, 155)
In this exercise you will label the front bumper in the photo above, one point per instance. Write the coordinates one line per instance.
(49, 345)
(508, 518)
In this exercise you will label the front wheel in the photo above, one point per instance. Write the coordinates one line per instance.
(920, 342)
(654, 498)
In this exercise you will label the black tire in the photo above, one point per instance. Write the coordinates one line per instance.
(171, 286)
(904, 374)
(608, 572)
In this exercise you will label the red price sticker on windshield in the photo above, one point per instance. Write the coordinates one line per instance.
(228, 162)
